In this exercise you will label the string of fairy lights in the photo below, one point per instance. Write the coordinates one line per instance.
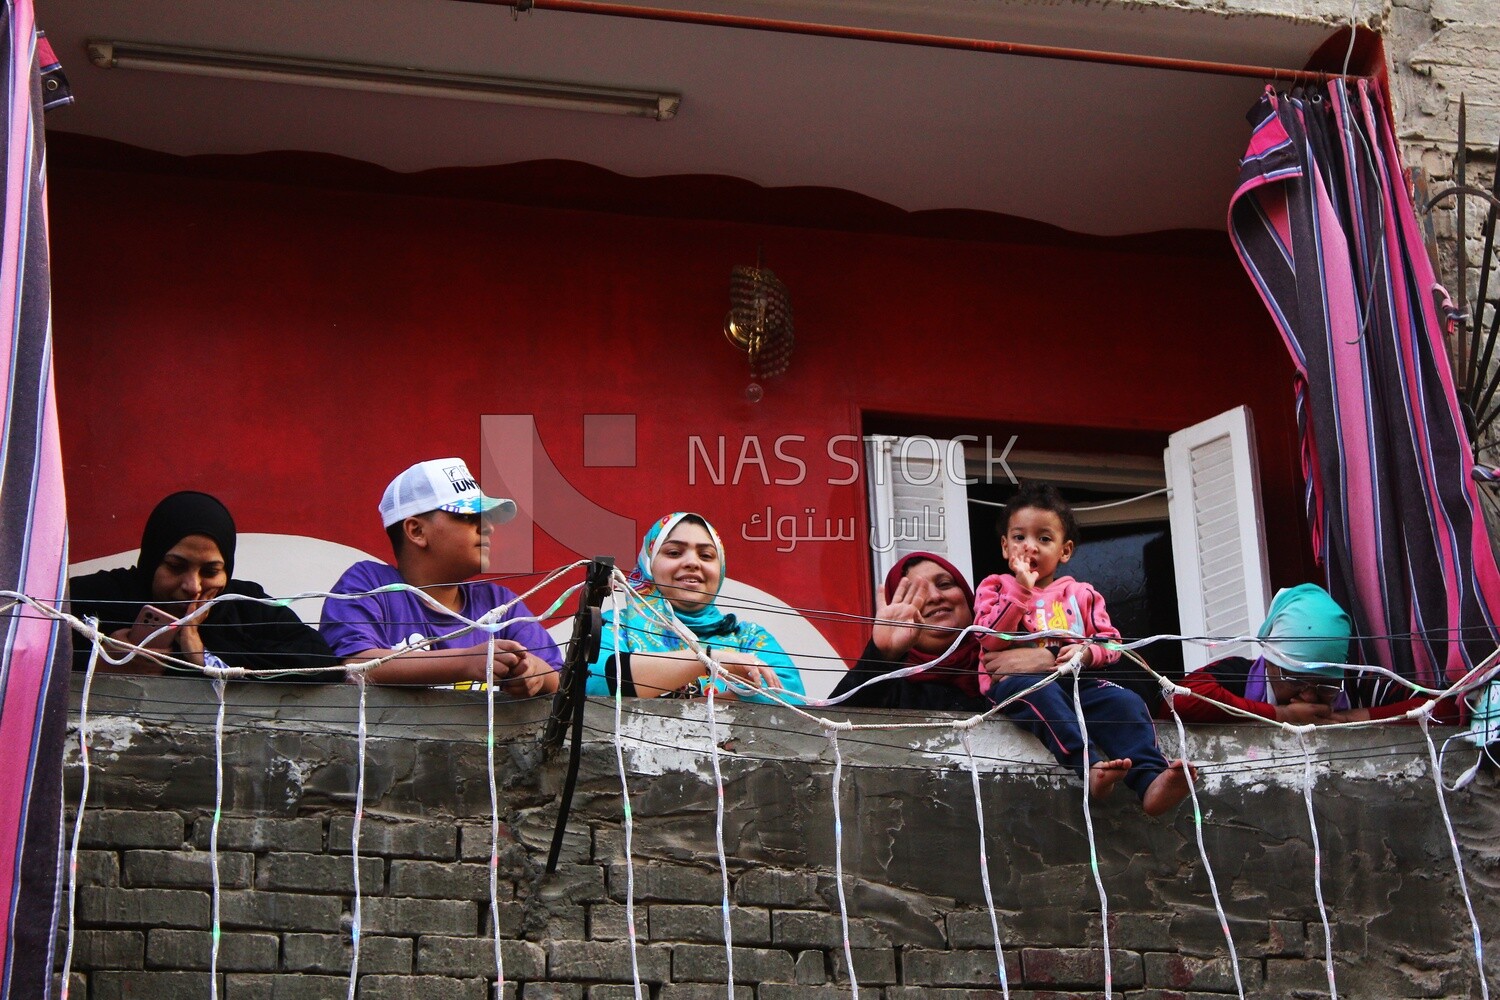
(1208, 869)
(106, 649)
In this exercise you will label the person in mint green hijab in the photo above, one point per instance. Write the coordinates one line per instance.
(678, 574)
(1297, 679)
(1307, 633)
(1300, 676)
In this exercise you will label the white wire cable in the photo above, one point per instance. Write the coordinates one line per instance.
(1463, 780)
(1481, 674)
(1458, 862)
(779, 609)
(1088, 822)
(489, 753)
(357, 931)
(1312, 825)
(1478, 676)
(832, 730)
(1096, 506)
(1482, 732)
(1208, 868)
(83, 798)
(629, 824)
(984, 867)
(213, 840)
(490, 622)
(713, 742)
(1203, 640)
(1121, 503)
(1349, 53)
(691, 643)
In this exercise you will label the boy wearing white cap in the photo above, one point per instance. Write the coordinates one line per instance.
(439, 523)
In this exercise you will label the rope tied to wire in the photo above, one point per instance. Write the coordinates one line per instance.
(1071, 668)
(1458, 863)
(1312, 825)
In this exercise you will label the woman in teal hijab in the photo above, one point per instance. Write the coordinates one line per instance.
(678, 574)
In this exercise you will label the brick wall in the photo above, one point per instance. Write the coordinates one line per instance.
(918, 925)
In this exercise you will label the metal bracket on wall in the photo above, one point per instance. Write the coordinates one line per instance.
(1472, 344)
(568, 703)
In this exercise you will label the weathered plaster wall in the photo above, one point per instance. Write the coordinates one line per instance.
(1440, 50)
(918, 927)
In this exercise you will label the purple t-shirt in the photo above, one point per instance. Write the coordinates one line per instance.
(397, 619)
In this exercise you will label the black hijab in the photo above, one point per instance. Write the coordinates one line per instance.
(241, 633)
(177, 517)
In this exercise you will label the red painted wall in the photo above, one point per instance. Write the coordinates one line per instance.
(290, 349)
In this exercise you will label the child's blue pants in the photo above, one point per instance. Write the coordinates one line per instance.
(1118, 722)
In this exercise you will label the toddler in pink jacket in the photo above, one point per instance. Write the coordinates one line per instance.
(1040, 535)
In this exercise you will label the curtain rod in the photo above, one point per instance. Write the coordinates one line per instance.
(913, 38)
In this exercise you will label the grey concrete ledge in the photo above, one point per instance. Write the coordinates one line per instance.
(662, 737)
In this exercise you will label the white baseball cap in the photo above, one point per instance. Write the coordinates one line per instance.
(441, 484)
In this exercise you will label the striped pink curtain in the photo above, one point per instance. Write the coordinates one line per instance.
(1324, 224)
(34, 658)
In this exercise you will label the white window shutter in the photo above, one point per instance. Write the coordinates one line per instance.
(1218, 533)
(918, 502)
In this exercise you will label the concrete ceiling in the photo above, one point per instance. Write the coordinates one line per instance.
(1091, 148)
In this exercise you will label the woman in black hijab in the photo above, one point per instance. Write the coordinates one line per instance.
(186, 560)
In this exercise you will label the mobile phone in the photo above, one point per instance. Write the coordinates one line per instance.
(151, 620)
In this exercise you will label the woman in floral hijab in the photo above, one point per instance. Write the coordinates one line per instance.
(678, 574)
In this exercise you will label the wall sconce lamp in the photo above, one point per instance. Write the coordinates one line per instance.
(760, 323)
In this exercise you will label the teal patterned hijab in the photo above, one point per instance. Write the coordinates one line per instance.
(643, 632)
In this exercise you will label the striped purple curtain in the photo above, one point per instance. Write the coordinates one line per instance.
(34, 659)
(1324, 225)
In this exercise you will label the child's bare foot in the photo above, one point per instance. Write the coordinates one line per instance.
(1104, 775)
(1169, 788)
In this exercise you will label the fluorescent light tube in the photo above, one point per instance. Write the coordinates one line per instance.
(383, 79)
